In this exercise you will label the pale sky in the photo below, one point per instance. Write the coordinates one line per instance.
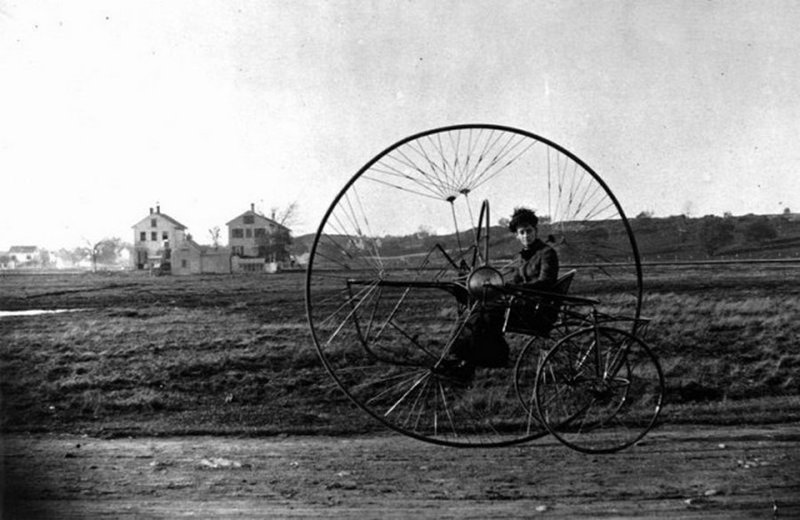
(108, 108)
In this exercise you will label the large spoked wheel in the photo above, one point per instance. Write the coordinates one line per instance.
(407, 252)
(599, 390)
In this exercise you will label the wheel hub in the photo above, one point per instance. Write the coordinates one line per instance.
(484, 281)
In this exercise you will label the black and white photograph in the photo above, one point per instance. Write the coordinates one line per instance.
(399, 259)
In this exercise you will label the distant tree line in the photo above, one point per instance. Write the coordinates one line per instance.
(714, 233)
(104, 252)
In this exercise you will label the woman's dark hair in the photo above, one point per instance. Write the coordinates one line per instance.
(521, 217)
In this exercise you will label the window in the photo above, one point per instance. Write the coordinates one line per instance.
(143, 236)
(184, 263)
(237, 233)
(238, 250)
(248, 232)
(260, 232)
(253, 268)
(164, 236)
(154, 236)
(248, 219)
(153, 222)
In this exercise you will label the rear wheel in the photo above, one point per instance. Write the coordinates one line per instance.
(599, 390)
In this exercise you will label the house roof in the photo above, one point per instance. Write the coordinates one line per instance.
(260, 217)
(205, 249)
(189, 241)
(172, 221)
(211, 250)
(23, 249)
(166, 217)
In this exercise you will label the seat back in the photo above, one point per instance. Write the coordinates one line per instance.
(562, 284)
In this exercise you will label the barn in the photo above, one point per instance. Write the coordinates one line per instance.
(192, 258)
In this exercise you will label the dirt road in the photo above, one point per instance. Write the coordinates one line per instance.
(676, 472)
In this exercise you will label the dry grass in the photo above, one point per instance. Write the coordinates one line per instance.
(234, 355)
(718, 346)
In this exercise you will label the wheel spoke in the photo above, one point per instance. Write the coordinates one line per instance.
(402, 398)
(361, 298)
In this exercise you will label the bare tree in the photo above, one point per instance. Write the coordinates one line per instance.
(286, 216)
(105, 251)
(215, 233)
(275, 245)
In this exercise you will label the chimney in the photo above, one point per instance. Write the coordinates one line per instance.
(252, 207)
(151, 211)
(158, 209)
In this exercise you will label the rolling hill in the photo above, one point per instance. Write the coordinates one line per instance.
(674, 238)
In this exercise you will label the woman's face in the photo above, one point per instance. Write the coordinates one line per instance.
(526, 234)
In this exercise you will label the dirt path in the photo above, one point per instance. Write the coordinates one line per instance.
(688, 472)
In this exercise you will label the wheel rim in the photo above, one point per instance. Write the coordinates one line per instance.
(379, 335)
(605, 406)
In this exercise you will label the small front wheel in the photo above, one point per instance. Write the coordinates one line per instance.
(599, 390)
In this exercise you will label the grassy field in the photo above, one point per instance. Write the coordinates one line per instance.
(233, 355)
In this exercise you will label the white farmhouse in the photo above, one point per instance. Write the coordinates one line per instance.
(257, 243)
(154, 237)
